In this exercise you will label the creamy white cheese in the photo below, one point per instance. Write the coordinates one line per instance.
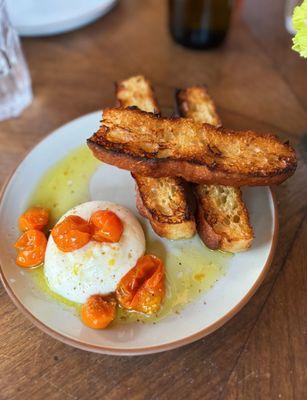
(96, 267)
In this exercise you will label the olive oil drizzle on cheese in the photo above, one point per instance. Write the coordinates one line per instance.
(191, 268)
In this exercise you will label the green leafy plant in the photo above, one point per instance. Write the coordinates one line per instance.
(299, 20)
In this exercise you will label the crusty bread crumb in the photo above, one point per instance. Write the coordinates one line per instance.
(137, 91)
(195, 103)
(149, 145)
(163, 201)
(223, 209)
(222, 217)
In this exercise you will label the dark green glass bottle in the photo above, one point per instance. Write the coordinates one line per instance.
(199, 24)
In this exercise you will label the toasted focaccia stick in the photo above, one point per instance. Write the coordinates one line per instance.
(149, 145)
(163, 201)
(222, 217)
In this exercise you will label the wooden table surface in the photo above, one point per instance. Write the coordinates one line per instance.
(257, 82)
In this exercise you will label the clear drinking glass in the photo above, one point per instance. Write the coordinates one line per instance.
(15, 81)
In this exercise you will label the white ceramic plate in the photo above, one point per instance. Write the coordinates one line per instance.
(52, 17)
(204, 315)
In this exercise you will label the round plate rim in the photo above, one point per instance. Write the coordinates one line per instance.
(148, 349)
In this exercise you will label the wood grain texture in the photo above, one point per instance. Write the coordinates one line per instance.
(257, 83)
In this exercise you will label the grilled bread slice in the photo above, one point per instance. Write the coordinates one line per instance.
(222, 217)
(137, 91)
(163, 201)
(196, 104)
(149, 145)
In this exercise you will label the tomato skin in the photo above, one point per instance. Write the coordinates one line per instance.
(34, 218)
(31, 248)
(106, 226)
(142, 289)
(72, 233)
(98, 311)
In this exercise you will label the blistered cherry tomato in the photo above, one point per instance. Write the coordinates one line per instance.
(98, 311)
(142, 288)
(72, 233)
(32, 247)
(34, 218)
(107, 227)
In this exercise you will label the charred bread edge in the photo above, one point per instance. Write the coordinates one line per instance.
(190, 171)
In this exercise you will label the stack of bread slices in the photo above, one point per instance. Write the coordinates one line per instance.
(188, 170)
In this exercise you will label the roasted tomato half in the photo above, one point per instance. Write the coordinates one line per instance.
(106, 226)
(72, 233)
(98, 311)
(34, 218)
(142, 289)
(31, 248)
